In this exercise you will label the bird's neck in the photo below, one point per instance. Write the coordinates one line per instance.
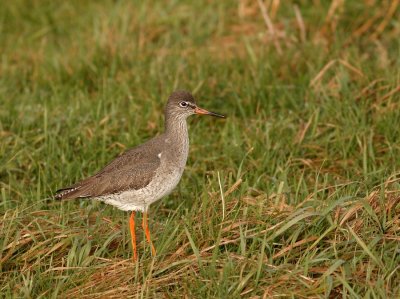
(176, 128)
(176, 135)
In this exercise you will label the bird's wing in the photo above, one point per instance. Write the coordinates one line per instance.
(132, 170)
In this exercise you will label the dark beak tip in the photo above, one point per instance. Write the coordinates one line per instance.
(217, 115)
(202, 111)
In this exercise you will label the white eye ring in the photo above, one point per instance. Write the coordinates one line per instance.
(183, 104)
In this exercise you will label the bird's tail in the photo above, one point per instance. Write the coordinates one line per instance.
(79, 190)
(66, 193)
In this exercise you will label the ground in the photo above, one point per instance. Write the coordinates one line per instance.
(296, 194)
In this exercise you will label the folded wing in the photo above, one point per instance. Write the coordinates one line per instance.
(132, 170)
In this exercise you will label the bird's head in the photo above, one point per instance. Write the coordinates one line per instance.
(182, 104)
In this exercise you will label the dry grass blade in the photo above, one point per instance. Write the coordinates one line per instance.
(270, 26)
(300, 22)
(298, 243)
(387, 18)
(321, 73)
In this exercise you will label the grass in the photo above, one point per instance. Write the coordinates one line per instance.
(296, 194)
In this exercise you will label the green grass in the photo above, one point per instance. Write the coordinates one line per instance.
(296, 194)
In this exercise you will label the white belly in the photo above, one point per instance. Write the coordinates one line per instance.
(163, 184)
(133, 200)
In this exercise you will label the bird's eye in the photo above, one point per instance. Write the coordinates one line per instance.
(183, 104)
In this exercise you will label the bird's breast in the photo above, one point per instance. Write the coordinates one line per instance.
(176, 153)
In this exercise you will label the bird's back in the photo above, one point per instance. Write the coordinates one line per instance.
(133, 170)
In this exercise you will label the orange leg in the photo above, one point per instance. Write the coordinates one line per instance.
(133, 235)
(145, 226)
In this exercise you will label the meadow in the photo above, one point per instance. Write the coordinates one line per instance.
(295, 195)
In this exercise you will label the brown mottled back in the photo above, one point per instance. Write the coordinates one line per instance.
(132, 170)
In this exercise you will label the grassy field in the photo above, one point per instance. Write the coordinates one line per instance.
(295, 195)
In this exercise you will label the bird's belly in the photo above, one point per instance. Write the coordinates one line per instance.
(132, 200)
(163, 183)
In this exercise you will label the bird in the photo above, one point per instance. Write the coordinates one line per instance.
(146, 173)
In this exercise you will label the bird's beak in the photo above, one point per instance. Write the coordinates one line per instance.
(199, 110)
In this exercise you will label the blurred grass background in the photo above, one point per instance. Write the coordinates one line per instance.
(296, 194)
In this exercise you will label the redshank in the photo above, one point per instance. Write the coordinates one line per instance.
(146, 173)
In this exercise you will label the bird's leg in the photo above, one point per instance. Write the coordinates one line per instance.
(147, 232)
(133, 234)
